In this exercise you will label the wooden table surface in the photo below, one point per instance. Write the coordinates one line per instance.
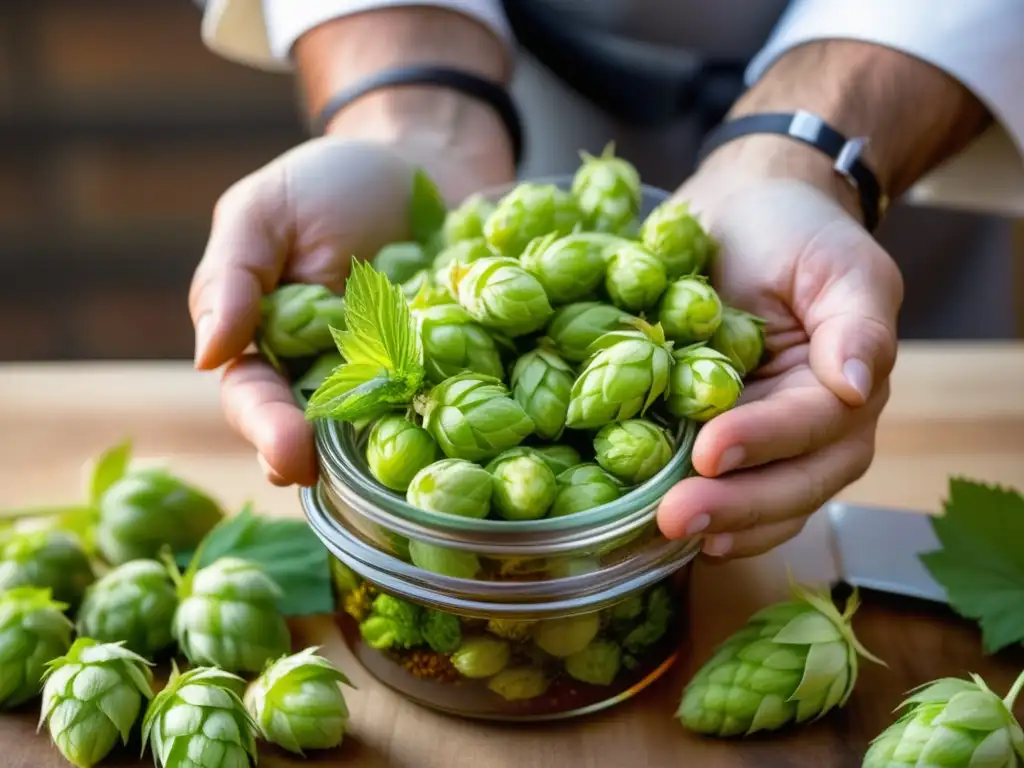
(955, 409)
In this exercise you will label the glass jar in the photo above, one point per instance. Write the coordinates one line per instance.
(503, 620)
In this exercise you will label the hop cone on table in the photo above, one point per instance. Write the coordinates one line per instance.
(149, 508)
(678, 239)
(228, 617)
(790, 663)
(628, 372)
(574, 327)
(199, 721)
(454, 343)
(134, 603)
(92, 697)
(542, 384)
(570, 267)
(33, 632)
(530, 210)
(952, 723)
(296, 320)
(48, 559)
(397, 449)
(500, 295)
(703, 383)
(608, 190)
(740, 337)
(473, 417)
(298, 703)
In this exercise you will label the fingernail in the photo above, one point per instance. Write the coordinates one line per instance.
(204, 328)
(859, 376)
(697, 524)
(731, 459)
(268, 470)
(718, 545)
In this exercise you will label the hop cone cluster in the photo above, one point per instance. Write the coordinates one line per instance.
(49, 559)
(33, 632)
(297, 319)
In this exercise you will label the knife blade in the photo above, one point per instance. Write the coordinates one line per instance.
(877, 548)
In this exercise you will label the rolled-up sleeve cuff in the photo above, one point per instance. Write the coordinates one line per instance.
(977, 42)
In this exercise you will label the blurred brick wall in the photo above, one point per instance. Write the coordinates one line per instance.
(118, 130)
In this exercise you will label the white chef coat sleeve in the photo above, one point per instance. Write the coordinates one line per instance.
(261, 33)
(978, 42)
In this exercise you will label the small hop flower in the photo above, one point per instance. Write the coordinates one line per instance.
(296, 320)
(33, 632)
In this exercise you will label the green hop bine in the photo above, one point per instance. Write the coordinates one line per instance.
(558, 457)
(678, 239)
(397, 449)
(952, 723)
(474, 417)
(530, 210)
(462, 252)
(33, 632)
(148, 509)
(542, 384)
(467, 221)
(634, 450)
(740, 337)
(134, 603)
(790, 663)
(635, 278)
(703, 384)
(296, 320)
(454, 343)
(584, 487)
(399, 261)
(298, 702)
(524, 485)
(608, 190)
(570, 267)
(92, 697)
(452, 487)
(502, 296)
(198, 720)
(49, 559)
(574, 327)
(628, 372)
(228, 617)
(690, 310)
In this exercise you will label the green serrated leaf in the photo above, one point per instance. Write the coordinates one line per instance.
(355, 392)
(981, 564)
(287, 550)
(427, 208)
(109, 467)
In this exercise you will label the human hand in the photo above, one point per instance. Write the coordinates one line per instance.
(300, 218)
(791, 252)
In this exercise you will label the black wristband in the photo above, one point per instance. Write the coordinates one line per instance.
(494, 94)
(813, 131)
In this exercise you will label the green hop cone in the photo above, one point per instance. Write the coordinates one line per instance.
(519, 683)
(703, 383)
(584, 487)
(558, 457)
(400, 261)
(500, 295)
(635, 278)
(33, 632)
(198, 720)
(298, 702)
(228, 617)
(952, 723)
(134, 603)
(792, 662)
(678, 239)
(92, 697)
(628, 372)
(633, 450)
(467, 221)
(690, 309)
(566, 636)
(740, 337)
(575, 327)
(530, 210)
(296, 320)
(452, 487)
(392, 623)
(397, 449)
(474, 417)
(608, 190)
(148, 509)
(542, 385)
(462, 252)
(49, 559)
(481, 656)
(597, 664)
(454, 343)
(524, 486)
(570, 267)
(444, 561)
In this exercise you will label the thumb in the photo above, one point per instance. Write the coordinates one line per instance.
(853, 329)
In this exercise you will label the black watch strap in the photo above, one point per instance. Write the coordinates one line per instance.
(494, 94)
(811, 130)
